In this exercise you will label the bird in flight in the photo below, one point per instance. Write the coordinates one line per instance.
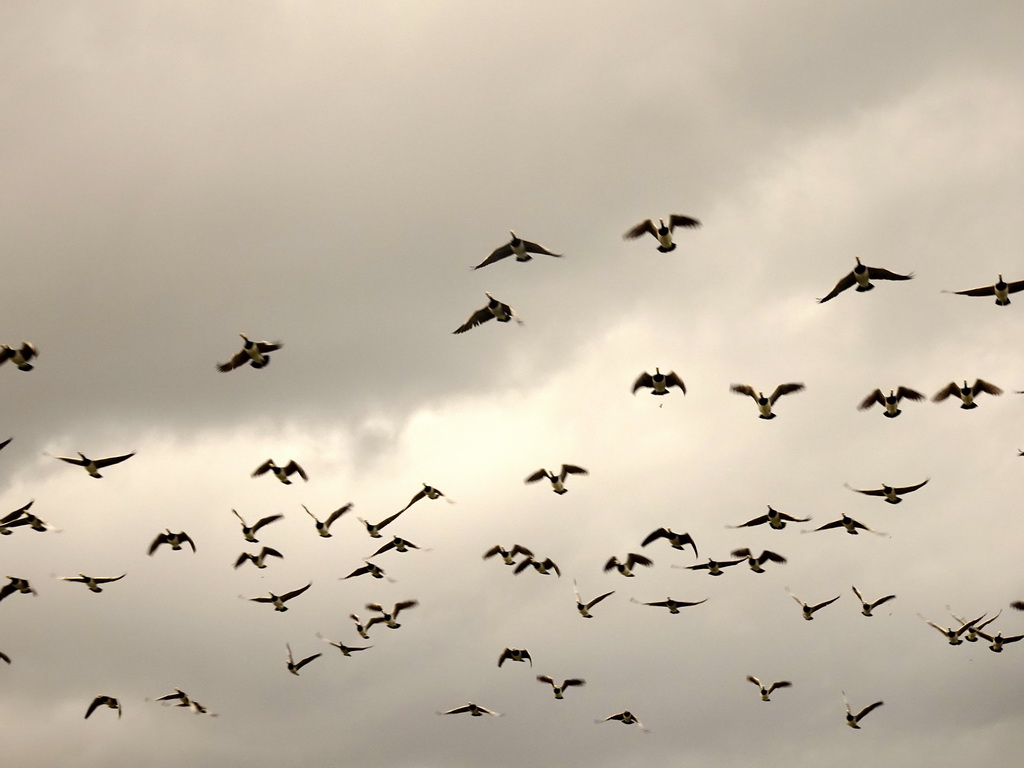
(1001, 290)
(764, 404)
(295, 666)
(428, 492)
(625, 567)
(890, 402)
(174, 539)
(495, 310)
(100, 701)
(865, 607)
(559, 690)
(92, 466)
(259, 560)
(256, 353)
(852, 720)
(774, 518)
(278, 601)
(890, 493)
(324, 528)
(249, 532)
(766, 691)
(677, 540)
(474, 709)
(663, 232)
(809, 610)
(658, 382)
(20, 356)
(966, 393)
(517, 247)
(584, 608)
(757, 563)
(557, 481)
(93, 582)
(861, 276)
(281, 473)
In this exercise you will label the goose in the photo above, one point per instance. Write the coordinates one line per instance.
(865, 607)
(373, 570)
(93, 582)
(258, 560)
(891, 493)
(360, 627)
(663, 232)
(100, 701)
(255, 353)
(764, 404)
(965, 393)
(625, 567)
(998, 641)
(281, 473)
(174, 539)
(852, 720)
(677, 540)
(559, 690)
(249, 531)
(890, 402)
(557, 481)
(398, 544)
(495, 310)
(1001, 290)
(658, 382)
(952, 635)
(515, 654)
(178, 694)
(756, 563)
(16, 584)
(626, 718)
(507, 555)
(428, 492)
(584, 608)
(92, 466)
(765, 692)
(974, 629)
(852, 526)
(809, 610)
(294, 666)
(672, 605)
(346, 650)
(713, 567)
(374, 528)
(545, 567)
(474, 709)
(278, 601)
(388, 619)
(518, 247)
(324, 528)
(20, 356)
(861, 276)
(774, 518)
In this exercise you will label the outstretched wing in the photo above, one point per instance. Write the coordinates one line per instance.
(847, 281)
(675, 220)
(478, 317)
(644, 227)
(874, 397)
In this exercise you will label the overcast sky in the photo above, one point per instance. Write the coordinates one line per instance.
(326, 175)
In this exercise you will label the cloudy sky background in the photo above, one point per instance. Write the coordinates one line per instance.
(326, 174)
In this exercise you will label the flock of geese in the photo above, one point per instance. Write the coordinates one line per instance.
(257, 354)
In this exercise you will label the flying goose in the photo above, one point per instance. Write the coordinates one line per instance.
(626, 718)
(891, 493)
(658, 382)
(294, 666)
(346, 650)
(178, 694)
(1001, 290)
(756, 563)
(965, 393)
(281, 473)
(20, 357)
(93, 582)
(92, 466)
(557, 481)
(560, 689)
(515, 654)
(249, 532)
(174, 539)
(625, 567)
(360, 627)
(507, 555)
(494, 310)
(677, 540)
(861, 277)
(278, 601)
(952, 635)
(974, 629)
(544, 567)
(663, 232)
(672, 605)
(100, 701)
(584, 608)
(388, 619)
(890, 402)
(374, 528)
(765, 692)
(518, 247)
(865, 607)
(998, 641)
(256, 353)
(324, 528)
(852, 720)
(373, 570)
(809, 610)
(849, 524)
(16, 584)
(398, 544)
(428, 492)
(764, 404)
(258, 560)
(474, 709)
(713, 567)
(774, 518)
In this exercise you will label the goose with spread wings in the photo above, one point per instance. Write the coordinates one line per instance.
(890, 493)
(281, 473)
(495, 310)
(249, 531)
(517, 247)
(557, 480)
(764, 404)
(663, 232)
(256, 353)
(92, 466)
(1001, 290)
(658, 382)
(20, 356)
(861, 276)
(967, 394)
(890, 402)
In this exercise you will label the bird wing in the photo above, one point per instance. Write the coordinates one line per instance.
(675, 220)
(909, 488)
(672, 380)
(874, 397)
(881, 600)
(546, 679)
(78, 462)
(338, 513)
(550, 565)
(988, 290)
(293, 467)
(635, 559)
(295, 593)
(306, 661)
(478, 317)
(387, 520)
(644, 227)
(263, 468)
(950, 389)
(750, 523)
(240, 358)
(399, 607)
(980, 385)
(108, 579)
(540, 474)
(867, 709)
(414, 499)
(909, 394)
(598, 599)
(535, 248)
(744, 389)
(878, 273)
(859, 595)
(264, 521)
(519, 550)
(572, 469)
(833, 524)
(243, 557)
(827, 602)
(612, 562)
(779, 684)
(661, 533)
(871, 492)
(98, 701)
(161, 539)
(496, 255)
(184, 537)
(645, 380)
(784, 389)
(847, 281)
(268, 346)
